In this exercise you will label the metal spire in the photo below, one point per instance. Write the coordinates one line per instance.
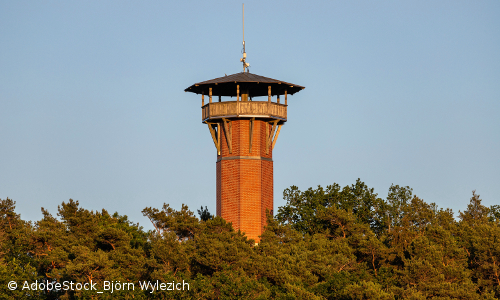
(243, 60)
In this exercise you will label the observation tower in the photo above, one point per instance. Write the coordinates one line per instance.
(244, 113)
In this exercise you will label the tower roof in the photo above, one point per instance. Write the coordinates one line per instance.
(255, 84)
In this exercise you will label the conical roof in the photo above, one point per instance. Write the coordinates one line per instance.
(255, 84)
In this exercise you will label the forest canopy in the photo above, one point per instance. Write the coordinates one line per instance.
(325, 243)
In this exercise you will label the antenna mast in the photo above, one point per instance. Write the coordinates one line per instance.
(243, 60)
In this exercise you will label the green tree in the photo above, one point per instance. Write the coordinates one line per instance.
(204, 214)
(480, 238)
(16, 253)
(303, 209)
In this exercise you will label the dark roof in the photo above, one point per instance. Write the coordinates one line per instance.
(256, 85)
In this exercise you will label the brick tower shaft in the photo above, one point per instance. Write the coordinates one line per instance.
(245, 177)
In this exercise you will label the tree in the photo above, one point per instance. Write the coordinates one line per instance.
(204, 214)
(480, 238)
(334, 243)
(303, 209)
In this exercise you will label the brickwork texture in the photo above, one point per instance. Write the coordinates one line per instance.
(244, 183)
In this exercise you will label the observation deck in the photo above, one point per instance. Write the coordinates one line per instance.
(245, 87)
(244, 109)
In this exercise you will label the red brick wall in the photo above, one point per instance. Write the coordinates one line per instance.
(245, 186)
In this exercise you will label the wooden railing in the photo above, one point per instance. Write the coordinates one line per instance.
(234, 109)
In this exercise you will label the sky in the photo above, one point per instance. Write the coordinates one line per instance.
(93, 108)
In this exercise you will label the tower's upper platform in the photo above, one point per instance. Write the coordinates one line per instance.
(256, 86)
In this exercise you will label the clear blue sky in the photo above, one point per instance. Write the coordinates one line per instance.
(92, 101)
